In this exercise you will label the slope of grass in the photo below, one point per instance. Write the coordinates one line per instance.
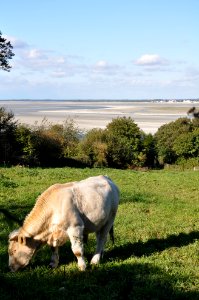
(156, 251)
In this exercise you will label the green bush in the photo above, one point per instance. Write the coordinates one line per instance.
(47, 148)
(93, 148)
(8, 126)
(148, 153)
(68, 135)
(121, 145)
(166, 137)
(26, 150)
(47, 144)
(189, 163)
(187, 145)
(124, 143)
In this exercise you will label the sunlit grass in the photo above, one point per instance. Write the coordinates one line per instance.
(156, 249)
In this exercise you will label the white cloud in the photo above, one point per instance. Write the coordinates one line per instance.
(15, 42)
(31, 60)
(61, 60)
(151, 60)
(103, 67)
(58, 74)
(192, 72)
(101, 64)
(35, 54)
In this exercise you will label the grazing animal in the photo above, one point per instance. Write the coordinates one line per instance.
(67, 211)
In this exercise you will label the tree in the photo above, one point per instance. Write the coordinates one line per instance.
(5, 53)
(166, 137)
(7, 136)
(93, 148)
(187, 145)
(148, 150)
(123, 143)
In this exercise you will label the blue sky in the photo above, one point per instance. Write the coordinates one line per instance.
(105, 49)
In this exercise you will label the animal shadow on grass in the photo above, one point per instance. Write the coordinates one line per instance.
(153, 245)
(124, 281)
(17, 217)
(138, 281)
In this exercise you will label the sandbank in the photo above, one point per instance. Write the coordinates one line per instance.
(149, 116)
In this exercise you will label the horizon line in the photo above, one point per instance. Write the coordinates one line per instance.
(98, 99)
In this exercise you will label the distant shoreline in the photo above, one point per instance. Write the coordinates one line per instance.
(107, 100)
(88, 114)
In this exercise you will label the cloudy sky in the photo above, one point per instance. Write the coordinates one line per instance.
(101, 49)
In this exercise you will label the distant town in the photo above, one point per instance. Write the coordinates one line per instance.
(176, 100)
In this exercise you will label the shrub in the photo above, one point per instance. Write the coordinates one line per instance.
(68, 135)
(93, 148)
(47, 144)
(166, 136)
(148, 153)
(8, 127)
(120, 145)
(186, 145)
(123, 142)
(26, 150)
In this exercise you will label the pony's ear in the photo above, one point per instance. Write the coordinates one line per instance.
(21, 239)
(13, 236)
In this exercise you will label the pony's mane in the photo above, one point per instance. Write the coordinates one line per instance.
(40, 212)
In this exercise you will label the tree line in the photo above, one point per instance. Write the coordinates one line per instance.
(122, 144)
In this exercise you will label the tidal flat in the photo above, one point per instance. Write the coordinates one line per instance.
(88, 114)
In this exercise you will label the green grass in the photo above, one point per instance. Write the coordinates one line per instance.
(156, 249)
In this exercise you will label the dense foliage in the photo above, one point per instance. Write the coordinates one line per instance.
(5, 53)
(120, 145)
(46, 144)
(8, 128)
(178, 141)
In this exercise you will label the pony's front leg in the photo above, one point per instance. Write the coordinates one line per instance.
(54, 258)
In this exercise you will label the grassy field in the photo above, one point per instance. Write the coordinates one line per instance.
(156, 249)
